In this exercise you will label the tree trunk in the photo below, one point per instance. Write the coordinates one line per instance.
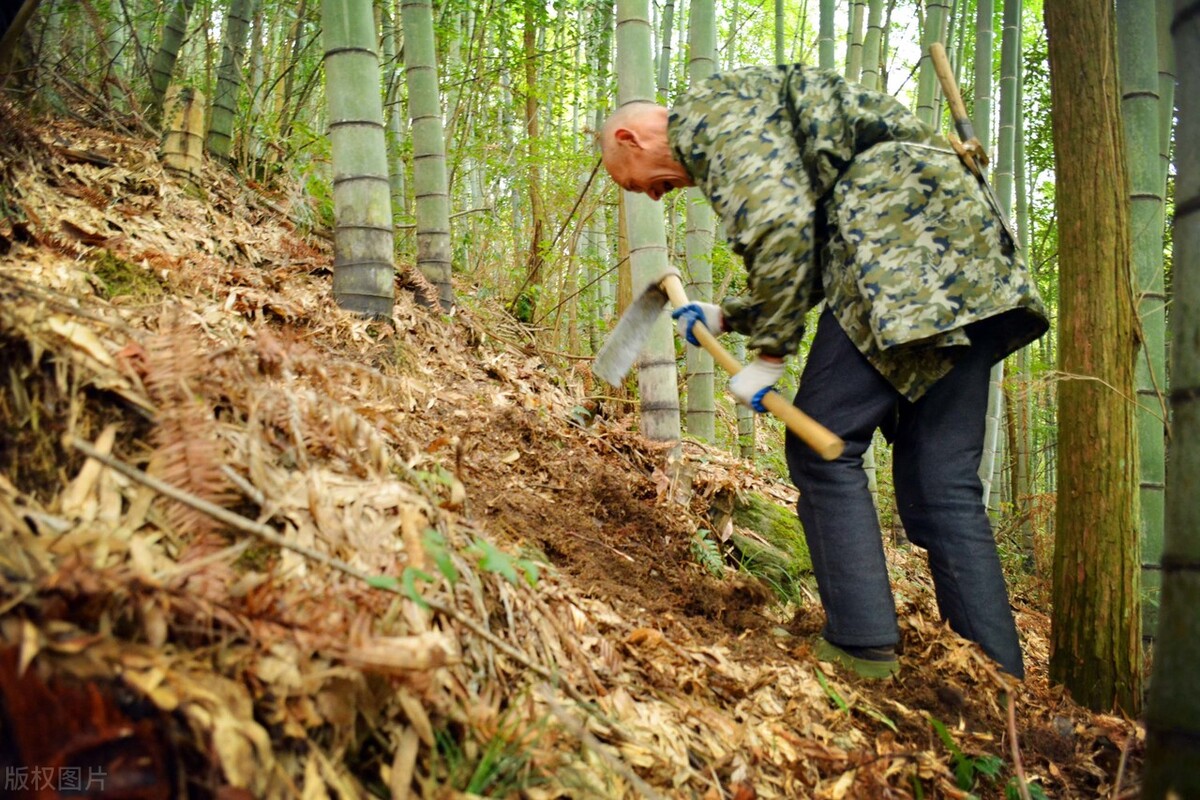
(657, 377)
(1096, 647)
(429, 149)
(362, 268)
(229, 78)
(1173, 712)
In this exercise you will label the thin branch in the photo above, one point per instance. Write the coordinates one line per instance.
(456, 214)
(557, 236)
(1022, 786)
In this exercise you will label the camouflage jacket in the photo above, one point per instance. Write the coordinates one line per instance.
(828, 190)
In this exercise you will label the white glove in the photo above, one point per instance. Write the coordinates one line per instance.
(754, 380)
(706, 314)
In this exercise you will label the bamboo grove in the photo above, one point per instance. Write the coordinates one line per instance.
(479, 166)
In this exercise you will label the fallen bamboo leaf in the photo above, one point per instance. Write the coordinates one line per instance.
(422, 651)
(74, 500)
(404, 764)
(82, 338)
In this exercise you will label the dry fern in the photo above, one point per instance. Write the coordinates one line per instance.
(187, 452)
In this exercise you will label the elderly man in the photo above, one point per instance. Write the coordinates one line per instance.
(830, 191)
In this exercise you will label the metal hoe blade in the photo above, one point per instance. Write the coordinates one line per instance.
(623, 346)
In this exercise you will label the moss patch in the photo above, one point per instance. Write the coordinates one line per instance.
(783, 559)
(118, 278)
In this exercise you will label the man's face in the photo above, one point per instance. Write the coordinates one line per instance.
(642, 163)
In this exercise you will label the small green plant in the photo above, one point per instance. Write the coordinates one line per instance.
(842, 705)
(1012, 790)
(488, 558)
(497, 767)
(708, 552)
(967, 769)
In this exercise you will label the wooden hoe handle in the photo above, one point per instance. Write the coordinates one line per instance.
(811, 432)
(969, 149)
(941, 65)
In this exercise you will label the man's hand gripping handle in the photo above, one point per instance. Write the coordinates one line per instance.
(811, 432)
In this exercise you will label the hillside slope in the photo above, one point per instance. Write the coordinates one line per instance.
(434, 575)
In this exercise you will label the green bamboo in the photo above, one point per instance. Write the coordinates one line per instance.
(1166, 86)
(229, 78)
(1173, 708)
(825, 32)
(981, 112)
(1010, 53)
(429, 148)
(1137, 58)
(854, 41)
(698, 239)
(657, 377)
(602, 282)
(363, 239)
(392, 43)
(779, 58)
(168, 53)
(885, 46)
(745, 416)
(934, 30)
(664, 58)
(1022, 480)
(871, 45)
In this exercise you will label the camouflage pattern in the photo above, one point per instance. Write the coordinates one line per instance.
(828, 190)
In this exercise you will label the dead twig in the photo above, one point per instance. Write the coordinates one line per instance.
(1022, 786)
(1116, 790)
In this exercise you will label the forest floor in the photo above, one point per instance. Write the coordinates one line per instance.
(439, 573)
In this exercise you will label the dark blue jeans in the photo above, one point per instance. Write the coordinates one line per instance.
(938, 442)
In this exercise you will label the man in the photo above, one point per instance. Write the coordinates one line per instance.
(830, 191)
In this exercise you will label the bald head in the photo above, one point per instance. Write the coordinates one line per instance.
(636, 153)
(637, 116)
